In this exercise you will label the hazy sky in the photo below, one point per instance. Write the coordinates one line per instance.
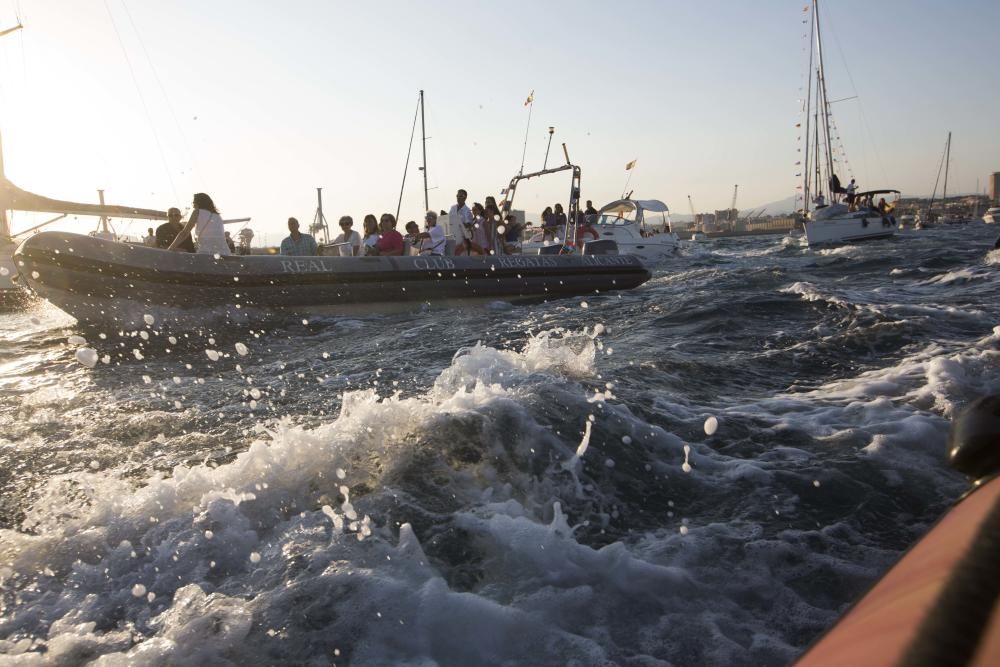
(258, 103)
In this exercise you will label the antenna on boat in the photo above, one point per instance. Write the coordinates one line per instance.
(628, 167)
(545, 164)
(319, 220)
(530, 103)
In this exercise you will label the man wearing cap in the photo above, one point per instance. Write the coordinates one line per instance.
(168, 231)
(432, 241)
(297, 243)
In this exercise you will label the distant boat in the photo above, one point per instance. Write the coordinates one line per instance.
(992, 216)
(836, 222)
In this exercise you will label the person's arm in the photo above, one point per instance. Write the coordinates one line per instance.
(186, 231)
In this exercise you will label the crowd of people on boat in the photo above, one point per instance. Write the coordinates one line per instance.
(856, 201)
(484, 229)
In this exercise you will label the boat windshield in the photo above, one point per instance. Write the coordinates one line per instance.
(614, 219)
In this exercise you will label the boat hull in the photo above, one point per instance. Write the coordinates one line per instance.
(848, 230)
(100, 282)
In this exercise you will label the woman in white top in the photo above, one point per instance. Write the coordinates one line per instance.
(371, 233)
(350, 239)
(207, 225)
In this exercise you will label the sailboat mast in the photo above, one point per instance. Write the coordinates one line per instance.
(809, 78)
(947, 163)
(822, 85)
(423, 141)
(817, 181)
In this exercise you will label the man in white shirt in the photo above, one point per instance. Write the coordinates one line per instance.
(349, 236)
(150, 240)
(432, 241)
(460, 213)
(851, 189)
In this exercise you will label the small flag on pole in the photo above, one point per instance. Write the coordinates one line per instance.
(630, 165)
(531, 98)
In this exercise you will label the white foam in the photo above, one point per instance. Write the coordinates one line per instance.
(87, 356)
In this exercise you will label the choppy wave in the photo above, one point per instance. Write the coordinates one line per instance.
(526, 485)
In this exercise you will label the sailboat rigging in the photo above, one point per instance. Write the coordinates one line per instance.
(409, 150)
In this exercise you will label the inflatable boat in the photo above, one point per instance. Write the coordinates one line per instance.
(99, 282)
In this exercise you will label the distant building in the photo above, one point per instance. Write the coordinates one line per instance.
(995, 187)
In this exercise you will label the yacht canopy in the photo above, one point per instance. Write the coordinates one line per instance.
(875, 192)
(623, 206)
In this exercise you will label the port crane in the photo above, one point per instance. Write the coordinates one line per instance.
(693, 214)
(732, 207)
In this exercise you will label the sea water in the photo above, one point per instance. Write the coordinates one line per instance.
(703, 471)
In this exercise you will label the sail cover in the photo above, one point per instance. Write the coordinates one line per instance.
(13, 198)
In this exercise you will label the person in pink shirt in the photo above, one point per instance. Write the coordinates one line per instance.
(390, 242)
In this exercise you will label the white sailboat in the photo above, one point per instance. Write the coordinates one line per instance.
(837, 222)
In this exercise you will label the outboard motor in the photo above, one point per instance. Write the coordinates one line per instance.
(600, 247)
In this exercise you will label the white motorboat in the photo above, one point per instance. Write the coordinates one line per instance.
(627, 224)
(992, 215)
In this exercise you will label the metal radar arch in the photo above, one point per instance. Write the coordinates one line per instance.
(572, 209)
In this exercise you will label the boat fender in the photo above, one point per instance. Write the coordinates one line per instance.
(959, 623)
(974, 442)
